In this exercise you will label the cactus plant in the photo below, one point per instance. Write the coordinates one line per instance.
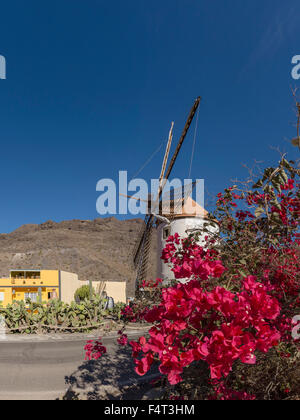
(34, 317)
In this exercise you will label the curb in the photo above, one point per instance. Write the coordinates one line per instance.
(39, 338)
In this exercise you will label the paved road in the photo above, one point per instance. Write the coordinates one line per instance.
(45, 368)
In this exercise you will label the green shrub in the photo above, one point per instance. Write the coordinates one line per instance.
(116, 311)
(83, 293)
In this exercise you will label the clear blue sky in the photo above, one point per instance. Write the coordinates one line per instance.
(93, 85)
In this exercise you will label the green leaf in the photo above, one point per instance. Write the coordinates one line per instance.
(287, 164)
(242, 273)
(259, 211)
(258, 184)
(283, 176)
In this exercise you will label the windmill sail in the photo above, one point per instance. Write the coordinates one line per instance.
(139, 244)
(141, 253)
(173, 201)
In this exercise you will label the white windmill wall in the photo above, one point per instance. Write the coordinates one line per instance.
(180, 226)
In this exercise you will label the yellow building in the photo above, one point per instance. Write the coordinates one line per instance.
(38, 285)
(44, 285)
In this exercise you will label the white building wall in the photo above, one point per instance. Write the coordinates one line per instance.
(182, 227)
(69, 283)
(114, 289)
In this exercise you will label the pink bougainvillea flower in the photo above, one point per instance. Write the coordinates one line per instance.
(94, 349)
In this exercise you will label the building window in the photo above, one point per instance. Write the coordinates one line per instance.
(166, 232)
(32, 296)
(52, 295)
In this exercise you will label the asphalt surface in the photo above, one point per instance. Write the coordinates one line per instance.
(38, 368)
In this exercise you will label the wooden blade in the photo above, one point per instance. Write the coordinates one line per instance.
(143, 257)
(181, 140)
(139, 242)
(179, 145)
(149, 219)
(163, 168)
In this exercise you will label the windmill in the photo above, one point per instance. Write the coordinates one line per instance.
(141, 251)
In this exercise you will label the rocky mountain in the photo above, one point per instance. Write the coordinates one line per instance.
(98, 249)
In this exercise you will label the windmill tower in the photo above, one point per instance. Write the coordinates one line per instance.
(191, 215)
(186, 216)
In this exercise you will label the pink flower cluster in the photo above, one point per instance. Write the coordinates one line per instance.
(94, 349)
(151, 284)
(123, 339)
(216, 326)
(193, 261)
(132, 313)
(128, 314)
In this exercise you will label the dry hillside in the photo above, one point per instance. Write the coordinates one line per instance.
(94, 249)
